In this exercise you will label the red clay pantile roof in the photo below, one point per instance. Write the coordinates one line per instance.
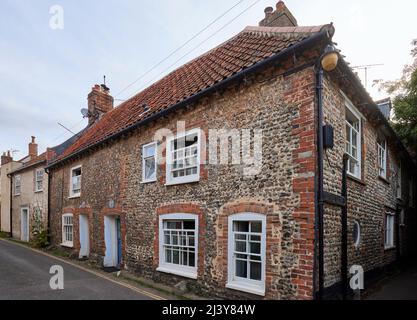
(251, 46)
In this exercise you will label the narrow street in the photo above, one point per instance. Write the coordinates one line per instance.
(24, 275)
(402, 286)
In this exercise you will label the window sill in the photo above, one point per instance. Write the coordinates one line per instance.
(17, 195)
(67, 245)
(389, 248)
(246, 288)
(38, 191)
(74, 197)
(182, 273)
(179, 182)
(383, 179)
(149, 181)
(355, 179)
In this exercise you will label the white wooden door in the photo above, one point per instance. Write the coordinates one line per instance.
(24, 224)
(110, 258)
(84, 236)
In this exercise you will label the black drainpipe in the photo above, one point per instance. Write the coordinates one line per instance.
(320, 178)
(344, 264)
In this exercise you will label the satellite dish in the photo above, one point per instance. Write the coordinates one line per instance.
(84, 112)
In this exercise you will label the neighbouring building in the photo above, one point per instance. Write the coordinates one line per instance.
(144, 187)
(27, 183)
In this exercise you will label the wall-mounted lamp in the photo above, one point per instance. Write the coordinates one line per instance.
(330, 58)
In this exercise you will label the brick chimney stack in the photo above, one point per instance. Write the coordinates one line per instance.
(6, 158)
(281, 17)
(33, 148)
(99, 102)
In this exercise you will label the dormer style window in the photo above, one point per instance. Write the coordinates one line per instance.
(149, 162)
(39, 180)
(353, 140)
(382, 158)
(17, 185)
(75, 183)
(183, 158)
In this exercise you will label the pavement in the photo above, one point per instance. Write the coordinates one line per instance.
(24, 275)
(401, 286)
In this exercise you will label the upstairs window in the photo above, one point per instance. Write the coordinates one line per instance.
(246, 256)
(382, 158)
(149, 162)
(183, 158)
(39, 180)
(67, 230)
(389, 230)
(75, 186)
(178, 244)
(17, 185)
(353, 141)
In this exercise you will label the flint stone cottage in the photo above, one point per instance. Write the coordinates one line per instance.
(115, 199)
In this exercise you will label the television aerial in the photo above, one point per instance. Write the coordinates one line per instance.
(84, 112)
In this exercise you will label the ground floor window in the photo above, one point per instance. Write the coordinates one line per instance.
(389, 230)
(178, 244)
(246, 253)
(67, 230)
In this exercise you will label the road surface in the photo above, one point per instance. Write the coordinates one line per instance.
(24, 275)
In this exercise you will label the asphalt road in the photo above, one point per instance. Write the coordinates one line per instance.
(24, 275)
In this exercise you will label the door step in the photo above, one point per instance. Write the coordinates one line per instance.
(110, 269)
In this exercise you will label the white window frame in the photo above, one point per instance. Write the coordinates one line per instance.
(389, 241)
(240, 284)
(399, 181)
(72, 193)
(17, 178)
(187, 179)
(349, 105)
(37, 180)
(180, 270)
(382, 159)
(144, 180)
(65, 242)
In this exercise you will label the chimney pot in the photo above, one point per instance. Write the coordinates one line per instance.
(281, 17)
(268, 11)
(6, 158)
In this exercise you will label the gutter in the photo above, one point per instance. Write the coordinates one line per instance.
(322, 35)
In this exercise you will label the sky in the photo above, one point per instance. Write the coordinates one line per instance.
(46, 73)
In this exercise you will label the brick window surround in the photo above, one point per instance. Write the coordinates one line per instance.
(183, 208)
(76, 212)
(272, 241)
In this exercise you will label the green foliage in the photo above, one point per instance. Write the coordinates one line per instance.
(39, 232)
(404, 91)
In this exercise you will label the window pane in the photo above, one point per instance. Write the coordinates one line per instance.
(255, 271)
(256, 227)
(192, 259)
(189, 225)
(255, 248)
(150, 169)
(241, 269)
(241, 226)
(240, 246)
(150, 151)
